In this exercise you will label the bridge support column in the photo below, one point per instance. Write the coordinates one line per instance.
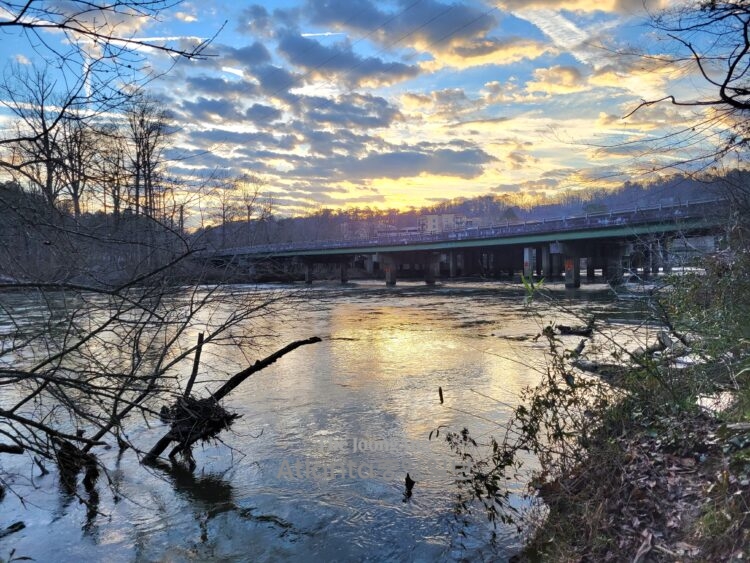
(556, 259)
(308, 273)
(666, 257)
(431, 268)
(529, 261)
(389, 266)
(538, 261)
(656, 257)
(556, 267)
(646, 261)
(344, 272)
(471, 262)
(546, 262)
(452, 264)
(613, 265)
(590, 271)
(370, 264)
(572, 271)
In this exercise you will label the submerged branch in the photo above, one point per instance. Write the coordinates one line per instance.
(198, 430)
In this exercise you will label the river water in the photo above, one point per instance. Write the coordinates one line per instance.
(314, 469)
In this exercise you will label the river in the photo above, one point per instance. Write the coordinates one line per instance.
(314, 469)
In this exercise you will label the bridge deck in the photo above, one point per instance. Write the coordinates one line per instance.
(691, 216)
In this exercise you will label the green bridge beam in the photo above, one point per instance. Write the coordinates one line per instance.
(561, 236)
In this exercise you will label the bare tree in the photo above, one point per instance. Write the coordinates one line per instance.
(96, 322)
(100, 46)
(110, 168)
(78, 154)
(257, 206)
(147, 130)
(31, 150)
(709, 40)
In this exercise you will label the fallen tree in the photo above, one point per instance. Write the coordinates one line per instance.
(194, 420)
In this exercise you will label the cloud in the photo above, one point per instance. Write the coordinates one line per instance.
(206, 138)
(262, 114)
(185, 17)
(488, 51)
(349, 110)
(445, 102)
(619, 6)
(258, 21)
(474, 122)
(645, 78)
(246, 57)
(216, 110)
(342, 141)
(215, 86)
(340, 61)
(413, 161)
(255, 20)
(276, 81)
(453, 34)
(557, 80)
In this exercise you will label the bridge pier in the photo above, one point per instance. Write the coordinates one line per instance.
(646, 261)
(497, 263)
(431, 268)
(546, 261)
(613, 265)
(656, 256)
(556, 268)
(557, 259)
(538, 261)
(666, 258)
(529, 261)
(389, 266)
(572, 271)
(308, 273)
(344, 272)
(370, 264)
(590, 270)
(452, 264)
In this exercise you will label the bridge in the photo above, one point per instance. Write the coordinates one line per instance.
(613, 242)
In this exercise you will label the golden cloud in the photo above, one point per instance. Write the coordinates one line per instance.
(487, 52)
(557, 80)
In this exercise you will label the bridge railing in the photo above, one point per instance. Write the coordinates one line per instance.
(631, 216)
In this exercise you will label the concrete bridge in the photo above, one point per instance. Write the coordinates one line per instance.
(614, 242)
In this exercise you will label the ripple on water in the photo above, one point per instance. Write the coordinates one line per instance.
(375, 378)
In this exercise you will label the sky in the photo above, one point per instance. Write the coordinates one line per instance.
(390, 104)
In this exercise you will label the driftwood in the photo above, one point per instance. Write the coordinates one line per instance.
(586, 330)
(13, 528)
(610, 372)
(202, 419)
(575, 330)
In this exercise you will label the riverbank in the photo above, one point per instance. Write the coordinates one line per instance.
(656, 486)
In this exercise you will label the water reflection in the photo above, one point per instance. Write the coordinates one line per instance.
(374, 377)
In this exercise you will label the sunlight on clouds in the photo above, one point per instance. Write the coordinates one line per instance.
(323, 88)
(185, 17)
(233, 71)
(557, 80)
(644, 83)
(494, 53)
(417, 190)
